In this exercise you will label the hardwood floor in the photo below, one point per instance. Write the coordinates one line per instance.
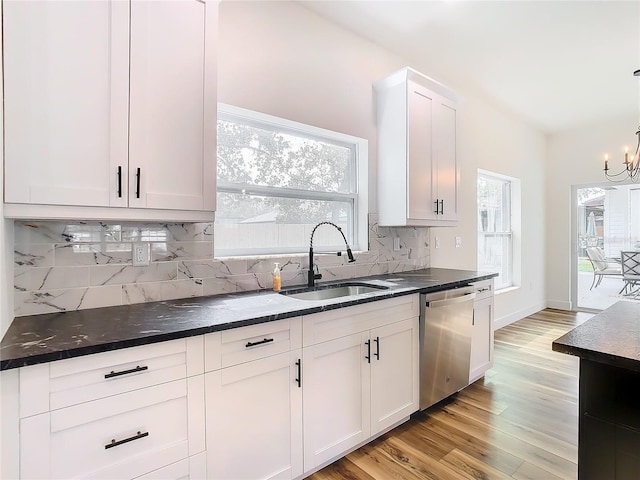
(519, 422)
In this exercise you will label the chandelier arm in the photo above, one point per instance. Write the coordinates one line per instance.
(631, 169)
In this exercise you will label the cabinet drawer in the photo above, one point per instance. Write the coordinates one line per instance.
(484, 289)
(83, 379)
(77, 380)
(325, 326)
(240, 345)
(193, 468)
(123, 436)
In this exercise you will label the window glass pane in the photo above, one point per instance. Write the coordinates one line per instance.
(494, 255)
(263, 224)
(493, 205)
(254, 155)
(494, 228)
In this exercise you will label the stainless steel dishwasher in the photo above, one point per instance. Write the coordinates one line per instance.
(446, 320)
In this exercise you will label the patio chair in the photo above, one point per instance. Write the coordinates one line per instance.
(630, 273)
(602, 267)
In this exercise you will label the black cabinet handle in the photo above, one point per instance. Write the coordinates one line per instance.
(299, 378)
(436, 211)
(115, 443)
(473, 317)
(125, 372)
(377, 354)
(138, 182)
(442, 207)
(253, 344)
(119, 181)
(368, 355)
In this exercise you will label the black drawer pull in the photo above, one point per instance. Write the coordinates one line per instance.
(377, 354)
(253, 344)
(119, 181)
(484, 289)
(368, 355)
(115, 443)
(437, 210)
(138, 183)
(299, 379)
(125, 372)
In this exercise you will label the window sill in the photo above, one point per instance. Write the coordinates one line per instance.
(507, 289)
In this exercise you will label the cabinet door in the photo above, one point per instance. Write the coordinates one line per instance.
(336, 386)
(172, 116)
(481, 338)
(445, 170)
(421, 193)
(65, 101)
(394, 373)
(254, 420)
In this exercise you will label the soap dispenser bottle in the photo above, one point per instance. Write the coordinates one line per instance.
(277, 280)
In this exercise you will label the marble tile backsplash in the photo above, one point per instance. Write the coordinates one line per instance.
(61, 266)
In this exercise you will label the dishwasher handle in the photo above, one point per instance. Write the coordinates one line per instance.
(450, 301)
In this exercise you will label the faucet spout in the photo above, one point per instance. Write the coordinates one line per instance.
(312, 276)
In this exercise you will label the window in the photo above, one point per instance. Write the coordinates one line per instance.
(277, 179)
(495, 234)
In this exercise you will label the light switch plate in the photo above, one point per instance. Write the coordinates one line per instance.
(141, 254)
(437, 242)
(396, 244)
(458, 242)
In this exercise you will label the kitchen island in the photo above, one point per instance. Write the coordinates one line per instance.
(609, 397)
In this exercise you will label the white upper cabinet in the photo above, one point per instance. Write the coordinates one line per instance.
(169, 123)
(417, 154)
(110, 104)
(66, 100)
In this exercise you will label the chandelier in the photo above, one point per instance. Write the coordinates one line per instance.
(631, 169)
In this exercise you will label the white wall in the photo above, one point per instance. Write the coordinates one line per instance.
(494, 140)
(282, 59)
(575, 157)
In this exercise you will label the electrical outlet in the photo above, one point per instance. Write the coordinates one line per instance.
(437, 241)
(458, 242)
(141, 254)
(396, 244)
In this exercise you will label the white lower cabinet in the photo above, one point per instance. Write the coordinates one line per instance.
(394, 373)
(482, 331)
(270, 401)
(336, 398)
(121, 414)
(122, 436)
(358, 385)
(254, 419)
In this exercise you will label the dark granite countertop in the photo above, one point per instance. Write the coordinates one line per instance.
(611, 337)
(49, 337)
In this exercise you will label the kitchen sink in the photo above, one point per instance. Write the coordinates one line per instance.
(325, 292)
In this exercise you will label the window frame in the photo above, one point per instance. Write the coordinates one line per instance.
(507, 210)
(358, 198)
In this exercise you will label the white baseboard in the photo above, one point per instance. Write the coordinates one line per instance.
(559, 304)
(520, 314)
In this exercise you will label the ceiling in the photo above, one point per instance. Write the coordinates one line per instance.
(557, 64)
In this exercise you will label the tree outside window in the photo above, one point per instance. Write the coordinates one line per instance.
(277, 179)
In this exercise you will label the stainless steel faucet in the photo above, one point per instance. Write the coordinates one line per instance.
(312, 276)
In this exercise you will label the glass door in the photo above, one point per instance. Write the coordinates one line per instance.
(607, 221)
